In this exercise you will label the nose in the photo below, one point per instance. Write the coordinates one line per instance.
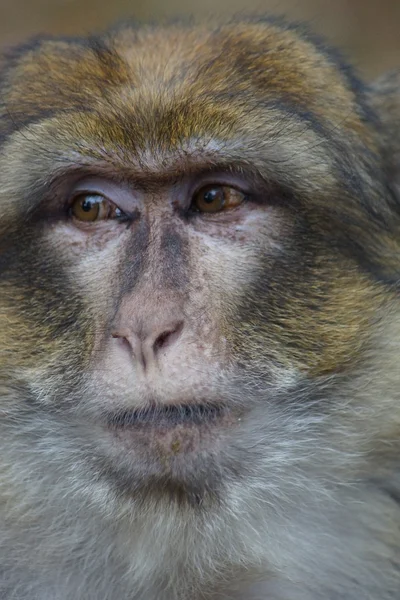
(147, 341)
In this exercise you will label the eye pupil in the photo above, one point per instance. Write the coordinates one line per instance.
(212, 195)
(87, 205)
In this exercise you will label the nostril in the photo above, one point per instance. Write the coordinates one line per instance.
(168, 337)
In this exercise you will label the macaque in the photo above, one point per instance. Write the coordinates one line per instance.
(199, 318)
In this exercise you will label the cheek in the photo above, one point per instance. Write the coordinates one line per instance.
(43, 320)
(224, 269)
(311, 319)
(89, 277)
(339, 328)
(229, 256)
(93, 264)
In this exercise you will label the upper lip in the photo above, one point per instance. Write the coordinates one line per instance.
(167, 415)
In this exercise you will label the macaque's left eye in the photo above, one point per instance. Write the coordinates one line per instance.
(90, 207)
(215, 198)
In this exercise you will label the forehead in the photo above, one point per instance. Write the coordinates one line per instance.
(176, 83)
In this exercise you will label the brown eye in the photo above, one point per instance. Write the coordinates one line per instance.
(90, 207)
(215, 198)
(94, 207)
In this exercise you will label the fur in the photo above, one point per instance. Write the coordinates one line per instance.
(291, 316)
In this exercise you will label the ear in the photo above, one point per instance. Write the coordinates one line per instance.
(385, 98)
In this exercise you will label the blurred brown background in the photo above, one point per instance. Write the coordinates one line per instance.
(368, 31)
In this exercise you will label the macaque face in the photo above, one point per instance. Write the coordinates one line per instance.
(183, 252)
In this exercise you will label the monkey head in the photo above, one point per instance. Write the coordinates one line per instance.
(199, 236)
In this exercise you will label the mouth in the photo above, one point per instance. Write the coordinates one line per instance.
(167, 416)
(170, 444)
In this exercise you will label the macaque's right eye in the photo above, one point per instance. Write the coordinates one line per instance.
(91, 207)
(217, 198)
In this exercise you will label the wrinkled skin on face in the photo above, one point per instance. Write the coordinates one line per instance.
(199, 258)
